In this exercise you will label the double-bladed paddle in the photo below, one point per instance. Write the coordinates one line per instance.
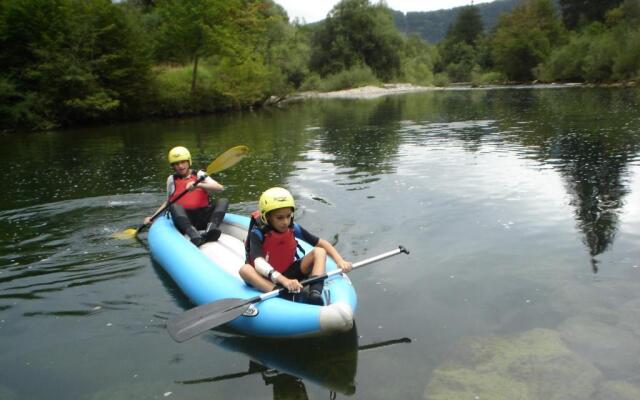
(207, 316)
(225, 160)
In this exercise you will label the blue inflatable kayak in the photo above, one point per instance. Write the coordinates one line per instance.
(210, 273)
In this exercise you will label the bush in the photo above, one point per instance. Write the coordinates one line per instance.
(417, 72)
(566, 63)
(172, 95)
(312, 83)
(626, 64)
(598, 63)
(441, 80)
(597, 53)
(487, 78)
(348, 79)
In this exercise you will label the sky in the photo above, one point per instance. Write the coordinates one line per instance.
(315, 10)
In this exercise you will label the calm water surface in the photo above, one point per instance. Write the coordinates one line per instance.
(521, 208)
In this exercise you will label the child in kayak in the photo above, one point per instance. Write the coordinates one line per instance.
(193, 211)
(272, 249)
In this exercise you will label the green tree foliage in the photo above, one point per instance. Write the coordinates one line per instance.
(418, 61)
(284, 48)
(458, 50)
(525, 38)
(581, 12)
(600, 52)
(65, 61)
(357, 33)
(467, 26)
(192, 29)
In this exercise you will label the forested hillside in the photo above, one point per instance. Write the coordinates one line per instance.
(432, 25)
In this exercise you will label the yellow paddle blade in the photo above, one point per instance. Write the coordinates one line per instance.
(126, 234)
(227, 159)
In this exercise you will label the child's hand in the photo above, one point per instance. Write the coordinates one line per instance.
(292, 285)
(147, 220)
(345, 266)
(191, 186)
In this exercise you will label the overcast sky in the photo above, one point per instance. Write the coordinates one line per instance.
(315, 10)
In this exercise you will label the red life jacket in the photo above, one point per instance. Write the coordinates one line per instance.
(279, 248)
(195, 199)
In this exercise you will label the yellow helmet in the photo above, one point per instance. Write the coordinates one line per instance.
(273, 199)
(179, 153)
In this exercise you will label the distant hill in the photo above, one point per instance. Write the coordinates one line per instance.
(433, 25)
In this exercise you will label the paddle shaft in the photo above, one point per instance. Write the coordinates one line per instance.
(276, 292)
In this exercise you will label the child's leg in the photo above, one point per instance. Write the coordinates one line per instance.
(253, 278)
(313, 264)
(217, 212)
(183, 223)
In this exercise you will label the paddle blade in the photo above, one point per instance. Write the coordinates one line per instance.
(227, 159)
(200, 319)
(126, 234)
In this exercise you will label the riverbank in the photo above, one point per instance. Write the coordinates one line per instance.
(372, 92)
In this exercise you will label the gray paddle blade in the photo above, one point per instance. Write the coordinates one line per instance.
(200, 319)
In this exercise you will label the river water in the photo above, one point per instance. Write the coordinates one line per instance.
(521, 208)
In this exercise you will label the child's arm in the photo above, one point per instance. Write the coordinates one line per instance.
(147, 220)
(210, 185)
(345, 266)
(266, 270)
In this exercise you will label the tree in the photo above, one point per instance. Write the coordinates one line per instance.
(525, 38)
(418, 61)
(458, 49)
(467, 26)
(192, 29)
(580, 12)
(356, 33)
(66, 61)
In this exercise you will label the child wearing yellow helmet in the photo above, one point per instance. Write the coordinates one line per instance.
(194, 211)
(273, 252)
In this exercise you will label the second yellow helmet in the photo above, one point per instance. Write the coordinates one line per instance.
(273, 199)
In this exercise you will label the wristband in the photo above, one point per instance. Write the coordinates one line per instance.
(273, 275)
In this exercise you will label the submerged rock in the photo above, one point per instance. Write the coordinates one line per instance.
(7, 394)
(532, 365)
(617, 390)
(604, 342)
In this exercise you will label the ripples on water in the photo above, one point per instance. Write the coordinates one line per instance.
(521, 212)
(56, 246)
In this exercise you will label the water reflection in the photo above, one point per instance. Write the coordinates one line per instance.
(592, 150)
(287, 365)
(590, 137)
(363, 142)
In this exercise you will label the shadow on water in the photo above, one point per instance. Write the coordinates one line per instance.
(180, 299)
(330, 362)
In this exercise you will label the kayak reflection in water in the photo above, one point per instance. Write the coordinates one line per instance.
(329, 362)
